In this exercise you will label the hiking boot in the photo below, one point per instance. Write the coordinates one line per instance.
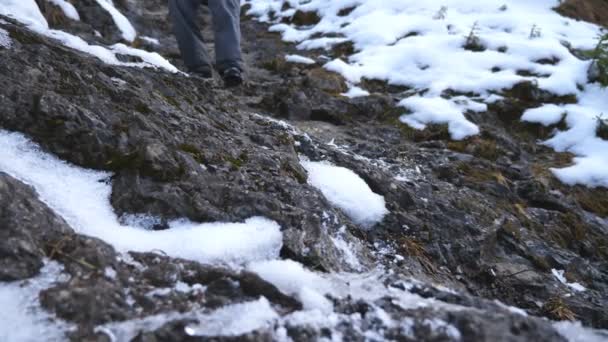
(232, 77)
(202, 71)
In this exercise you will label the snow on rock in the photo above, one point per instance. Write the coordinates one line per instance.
(82, 196)
(582, 119)
(27, 12)
(346, 190)
(150, 40)
(299, 59)
(438, 110)
(559, 275)
(354, 91)
(230, 320)
(68, 9)
(124, 25)
(235, 320)
(21, 318)
(575, 332)
(293, 279)
(5, 39)
(421, 45)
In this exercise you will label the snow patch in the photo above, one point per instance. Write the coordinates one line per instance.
(124, 25)
(82, 196)
(575, 332)
(68, 9)
(293, 279)
(150, 40)
(299, 59)
(346, 190)
(354, 91)
(22, 319)
(5, 39)
(559, 275)
(27, 12)
(421, 45)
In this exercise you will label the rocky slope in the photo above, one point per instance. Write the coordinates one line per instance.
(484, 217)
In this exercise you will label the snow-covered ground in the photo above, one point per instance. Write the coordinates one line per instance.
(68, 9)
(422, 45)
(433, 61)
(21, 318)
(27, 12)
(82, 198)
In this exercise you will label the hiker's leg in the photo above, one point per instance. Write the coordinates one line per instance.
(227, 29)
(189, 38)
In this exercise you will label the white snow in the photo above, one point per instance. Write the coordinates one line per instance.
(5, 39)
(293, 279)
(234, 320)
(27, 12)
(346, 190)
(354, 91)
(21, 318)
(68, 9)
(150, 40)
(575, 332)
(421, 45)
(81, 197)
(230, 320)
(299, 59)
(124, 25)
(559, 275)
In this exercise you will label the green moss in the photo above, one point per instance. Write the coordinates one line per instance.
(197, 154)
(237, 162)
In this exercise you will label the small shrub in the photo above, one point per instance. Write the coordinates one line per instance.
(598, 70)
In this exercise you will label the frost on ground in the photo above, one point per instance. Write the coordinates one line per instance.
(27, 12)
(444, 48)
(82, 196)
(346, 190)
(21, 318)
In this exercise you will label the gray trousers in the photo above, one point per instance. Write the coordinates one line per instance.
(226, 27)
